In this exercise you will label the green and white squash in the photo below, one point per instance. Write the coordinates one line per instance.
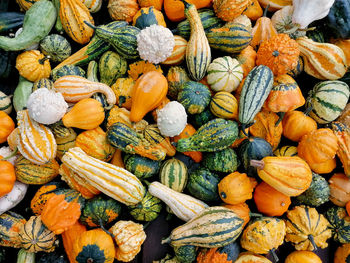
(225, 161)
(328, 99)
(215, 226)
(147, 210)
(23, 256)
(67, 70)
(255, 90)
(317, 194)
(203, 184)
(111, 67)
(224, 74)
(140, 166)
(183, 206)
(340, 224)
(55, 46)
(5, 103)
(173, 174)
(194, 96)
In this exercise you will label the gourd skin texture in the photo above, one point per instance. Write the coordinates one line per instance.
(172, 119)
(14, 197)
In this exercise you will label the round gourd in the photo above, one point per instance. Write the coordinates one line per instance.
(179, 52)
(203, 117)
(55, 46)
(123, 10)
(248, 257)
(286, 150)
(171, 119)
(111, 67)
(221, 161)
(10, 225)
(339, 223)
(185, 253)
(339, 186)
(140, 166)
(147, 210)
(224, 105)
(203, 184)
(67, 70)
(173, 174)
(176, 77)
(296, 124)
(194, 96)
(224, 74)
(328, 99)
(228, 10)
(302, 257)
(100, 211)
(35, 236)
(147, 16)
(43, 83)
(33, 65)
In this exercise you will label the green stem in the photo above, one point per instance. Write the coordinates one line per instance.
(255, 214)
(166, 241)
(104, 229)
(146, 182)
(308, 110)
(280, 118)
(245, 126)
(90, 25)
(15, 151)
(146, 225)
(312, 240)
(265, 11)
(274, 255)
(42, 60)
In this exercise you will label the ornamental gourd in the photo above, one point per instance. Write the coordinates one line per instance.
(262, 31)
(7, 177)
(123, 10)
(339, 186)
(296, 124)
(153, 135)
(342, 254)
(228, 10)
(303, 256)
(55, 46)
(172, 119)
(14, 197)
(6, 126)
(33, 65)
(194, 96)
(343, 134)
(339, 223)
(70, 236)
(179, 52)
(176, 77)
(10, 225)
(147, 210)
(122, 89)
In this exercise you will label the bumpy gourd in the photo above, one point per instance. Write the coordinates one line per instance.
(172, 119)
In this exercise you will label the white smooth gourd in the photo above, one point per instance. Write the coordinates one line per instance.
(14, 197)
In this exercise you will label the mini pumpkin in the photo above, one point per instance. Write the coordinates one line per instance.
(339, 223)
(10, 225)
(339, 185)
(138, 68)
(303, 257)
(343, 134)
(6, 126)
(242, 210)
(228, 10)
(7, 177)
(123, 10)
(225, 254)
(248, 257)
(342, 254)
(69, 236)
(296, 124)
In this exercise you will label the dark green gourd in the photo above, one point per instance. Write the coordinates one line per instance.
(203, 184)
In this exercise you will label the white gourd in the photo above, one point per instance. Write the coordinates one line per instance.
(14, 197)
(171, 119)
(5, 152)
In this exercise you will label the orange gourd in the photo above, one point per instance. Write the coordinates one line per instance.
(117, 159)
(69, 236)
(344, 44)
(296, 124)
(149, 91)
(342, 254)
(122, 9)
(187, 132)
(175, 9)
(343, 134)
(33, 65)
(6, 126)
(122, 89)
(253, 11)
(86, 114)
(158, 4)
(12, 138)
(235, 188)
(269, 201)
(339, 186)
(249, 257)
(138, 68)
(228, 10)
(302, 257)
(7, 177)
(242, 210)
(247, 59)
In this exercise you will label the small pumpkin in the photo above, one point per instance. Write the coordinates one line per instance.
(269, 201)
(302, 256)
(253, 11)
(123, 10)
(55, 46)
(147, 16)
(247, 58)
(339, 223)
(158, 4)
(174, 9)
(69, 236)
(248, 257)
(10, 225)
(33, 65)
(194, 96)
(342, 254)
(7, 177)
(339, 185)
(147, 210)
(6, 126)
(138, 68)
(122, 89)
(296, 124)
(228, 10)
(307, 229)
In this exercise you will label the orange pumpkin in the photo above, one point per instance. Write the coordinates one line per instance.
(247, 59)
(69, 236)
(7, 177)
(302, 256)
(262, 31)
(175, 9)
(343, 134)
(158, 4)
(296, 124)
(339, 186)
(33, 65)
(269, 201)
(342, 254)
(235, 188)
(149, 91)
(280, 53)
(122, 9)
(6, 126)
(249, 257)
(242, 210)
(228, 10)
(253, 11)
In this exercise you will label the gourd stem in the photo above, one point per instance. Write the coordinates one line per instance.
(255, 214)
(42, 60)
(89, 260)
(258, 164)
(104, 229)
(265, 11)
(110, 106)
(15, 151)
(146, 225)
(166, 241)
(308, 110)
(280, 118)
(275, 257)
(312, 240)
(146, 182)
(244, 127)
(187, 5)
(90, 25)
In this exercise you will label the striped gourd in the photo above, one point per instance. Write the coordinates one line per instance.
(93, 5)
(25, 4)
(31, 173)
(224, 74)
(113, 181)
(5, 103)
(198, 53)
(77, 183)
(328, 99)
(35, 141)
(42, 83)
(208, 18)
(92, 70)
(173, 174)
(65, 139)
(224, 105)
(76, 88)
(140, 166)
(255, 90)
(153, 135)
(111, 67)
(128, 140)
(73, 14)
(231, 39)
(215, 135)
(183, 206)
(215, 226)
(67, 70)
(286, 150)
(55, 46)
(315, 54)
(176, 77)
(10, 225)
(179, 51)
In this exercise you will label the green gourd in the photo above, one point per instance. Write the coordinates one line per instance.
(37, 24)
(21, 94)
(111, 66)
(339, 223)
(58, 24)
(9, 20)
(92, 69)
(317, 194)
(147, 210)
(23, 256)
(203, 184)
(225, 161)
(194, 96)
(186, 254)
(140, 166)
(55, 46)
(67, 70)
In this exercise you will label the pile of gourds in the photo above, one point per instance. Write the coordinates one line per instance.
(204, 119)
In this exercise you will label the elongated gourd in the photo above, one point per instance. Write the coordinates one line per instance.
(215, 226)
(76, 88)
(183, 206)
(198, 53)
(113, 181)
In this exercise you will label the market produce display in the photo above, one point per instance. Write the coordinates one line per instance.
(175, 131)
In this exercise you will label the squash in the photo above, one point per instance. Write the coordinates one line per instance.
(33, 65)
(23, 256)
(194, 96)
(342, 132)
(5, 103)
(263, 235)
(122, 89)
(7, 126)
(317, 194)
(70, 236)
(221, 161)
(175, 10)
(328, 99)
(253, 11)
(339, 186)
(93, 246)
(185, 253)
(14, 197)
(303, 256)
(10, 226)
(148, 16)
(176, 77)
(215, 226)
(239, 195)
(172, 119)
(92, 5)
(65, 139)
(25, 4)
(157, 4)
(35, 237)
(247, 59)
(55, 46)
(269, 201)
(307, 229)
(35, 141)
(111, 67)
(100, 211)
(242, 210)
(147, 210)
(280, 53)
(293, 173)
(138, 68)
(296, 124)
(262, 31)
(248, 257)
(342, 254)
(226, 254)
(153, 134)
(140, 166)
(224, 74)
(229, 10)
(173, 174)
(339, 223)
(87, 114)
(7, 178)
(145, 86)
(314, 54)
(123, 10)
(62, 210)
(273, 5)
(203, 184)
(73, 13)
